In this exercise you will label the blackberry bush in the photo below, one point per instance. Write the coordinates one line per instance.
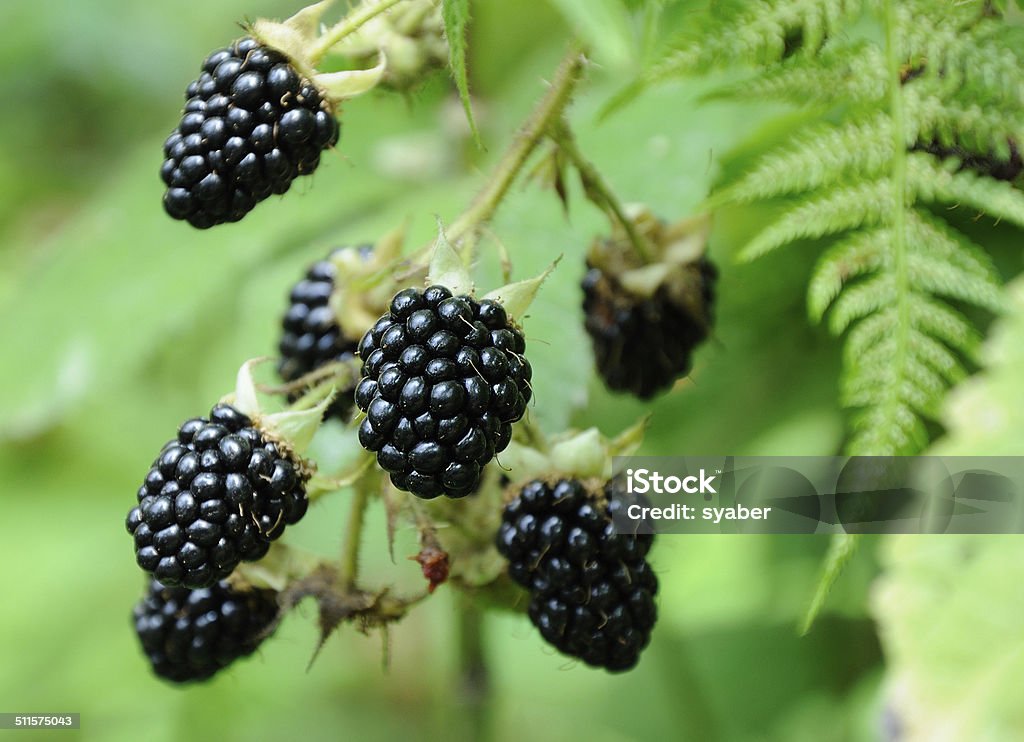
(591, 589)
(311, 336)
(252, 124)
(444, 378)
(219, 493)
(189, 635)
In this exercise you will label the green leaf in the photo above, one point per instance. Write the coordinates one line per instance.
(456, 19)
(948, 609)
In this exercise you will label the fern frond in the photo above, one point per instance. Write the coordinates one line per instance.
(981, 60)
(946, 279)
(888, 277)
(938, 357)
(935, 340)
(853, 256)
(756, 35)
(965, 124)
(842, 208)
(869, 331)
(817, 157)
(932, 181)
(917, 384)
(864, 299)
(854, 73)
(940, 321)
(938, 239)
(891, 426)
(947, 78)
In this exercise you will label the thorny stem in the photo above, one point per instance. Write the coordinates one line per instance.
(598, 190)
(474, 681)
(348, 569)
(547, 113)
(349, 24)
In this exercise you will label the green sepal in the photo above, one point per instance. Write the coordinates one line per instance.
(517, 297)
(294, 428)
(339, 86)
(447, 268)
(579, 454)
(299, 39)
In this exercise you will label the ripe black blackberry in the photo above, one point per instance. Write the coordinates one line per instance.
(218, 494)
(591, 589)
(251, 125)
(444, 378)
(642, 344)
(192, 634)
(311, 336)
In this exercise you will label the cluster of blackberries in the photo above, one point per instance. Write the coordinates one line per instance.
(217, 494)
(591, 588)
(251, 125)
(191, 634)
(311, 335)
(444, 378)
(643, 344)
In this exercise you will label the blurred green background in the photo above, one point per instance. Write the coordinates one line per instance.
(116, 323)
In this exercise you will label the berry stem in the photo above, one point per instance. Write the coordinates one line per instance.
(348, 569)
(547, 113)
(351, 23)
(598, 190)
(474, 681)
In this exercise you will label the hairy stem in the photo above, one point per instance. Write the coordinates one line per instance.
(598, 190)
(547, 113)
(348, 569)
(349, 24)
(474, 680)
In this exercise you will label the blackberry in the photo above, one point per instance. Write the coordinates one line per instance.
(217, 494)
(250, 126)
(311, 336)
(643, 344)
(192, 634)
(444, 378)
(591, 589)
